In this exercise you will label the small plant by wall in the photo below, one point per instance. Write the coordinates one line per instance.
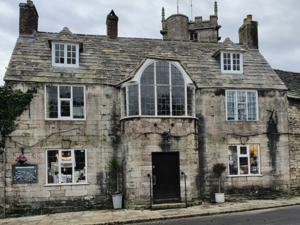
(12, 105)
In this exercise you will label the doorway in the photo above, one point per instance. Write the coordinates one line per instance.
(166, 177)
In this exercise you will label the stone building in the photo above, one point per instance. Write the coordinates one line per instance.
(167, 108)
(292, 81)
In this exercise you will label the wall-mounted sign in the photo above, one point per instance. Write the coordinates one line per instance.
(24, 174)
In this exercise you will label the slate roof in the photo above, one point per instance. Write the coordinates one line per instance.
(111, 63)
(292, 81)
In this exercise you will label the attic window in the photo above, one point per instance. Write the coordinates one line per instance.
(161, 89)
(65, 55)
(231, 62)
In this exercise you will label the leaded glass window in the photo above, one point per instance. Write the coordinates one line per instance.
(241, 105)
(161, 91)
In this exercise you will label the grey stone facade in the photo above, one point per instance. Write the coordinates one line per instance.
(201, 140)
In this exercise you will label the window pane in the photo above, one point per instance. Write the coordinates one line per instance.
(178, 101)
(66, 172)
(251, 106)
(243, 150)
(241, 96)
(242, 111)
(162, 73)
(148, 75)
(66, 156)
(133, 100)
(80, 171)
(65, 109)
(243, 165)
(253, 155)
(190, 101)
(78, 102)
(176, 76)
(231, 105)
(51, 102)
(147, 100)
(163, 100)
(232, 160)
(52, 166)
(56, 47)
(65, 91)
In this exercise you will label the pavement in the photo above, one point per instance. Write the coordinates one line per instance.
(123, 216)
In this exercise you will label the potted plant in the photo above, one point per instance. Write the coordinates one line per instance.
(115, 166)
(21, 159)
(218, 169)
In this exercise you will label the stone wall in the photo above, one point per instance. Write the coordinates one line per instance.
(99, 134)
(294, 143)
(215, 134)
(141, 137)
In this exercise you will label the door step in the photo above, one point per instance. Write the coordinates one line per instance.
(168, 206)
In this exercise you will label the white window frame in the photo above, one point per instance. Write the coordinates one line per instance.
(65, 65)
(231, 71)
(236, 102)
(65, 99)
(73, 167)
(238, 161)
(136, 81)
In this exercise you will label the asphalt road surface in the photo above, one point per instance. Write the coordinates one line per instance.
(281, 216)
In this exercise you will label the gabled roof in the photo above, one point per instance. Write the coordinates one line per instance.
(292, 81)
(103, 62)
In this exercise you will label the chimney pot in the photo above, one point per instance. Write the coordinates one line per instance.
(245, 20)
(249, 17)
(29, 2)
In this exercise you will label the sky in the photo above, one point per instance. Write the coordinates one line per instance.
(278, 22)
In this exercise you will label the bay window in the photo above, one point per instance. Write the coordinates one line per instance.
(160, 89)
(243, 160)
(65, 102)
(66, 166)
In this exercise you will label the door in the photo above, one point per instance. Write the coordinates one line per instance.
(166, 177)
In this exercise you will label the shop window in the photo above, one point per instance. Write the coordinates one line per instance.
(66, 166)
(161, 89)
(65, 102)
(243, 160)
(241, 105)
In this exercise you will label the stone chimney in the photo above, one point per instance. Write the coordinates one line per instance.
(112, 26)
(28, 19)
(248, 33)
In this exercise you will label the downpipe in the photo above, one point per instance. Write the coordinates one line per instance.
(4, 178)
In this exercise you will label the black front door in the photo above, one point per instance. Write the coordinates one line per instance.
(166, 177)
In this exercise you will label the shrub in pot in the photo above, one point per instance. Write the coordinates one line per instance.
(115, 166)
(218, 169)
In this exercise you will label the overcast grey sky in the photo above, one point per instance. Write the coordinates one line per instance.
(278, 29)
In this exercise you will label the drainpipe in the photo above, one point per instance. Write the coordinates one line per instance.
(4, 177)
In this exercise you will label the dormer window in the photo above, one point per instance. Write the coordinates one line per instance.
(65, 54)
(231, 62)
(160, 88)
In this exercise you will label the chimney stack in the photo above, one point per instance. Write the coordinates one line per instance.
(28, 19)
(112, 26)
(248, 33)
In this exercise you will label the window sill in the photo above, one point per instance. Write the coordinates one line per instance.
(57, 119)
(160, 117)
(247, 175)
(65, 67)
(242, 120)
(66, 184)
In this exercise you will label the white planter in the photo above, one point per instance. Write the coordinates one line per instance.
(219, 197)
(117, 201)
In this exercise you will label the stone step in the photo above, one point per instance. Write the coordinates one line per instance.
(168, 206)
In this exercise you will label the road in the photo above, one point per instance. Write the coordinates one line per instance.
(282, 216)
